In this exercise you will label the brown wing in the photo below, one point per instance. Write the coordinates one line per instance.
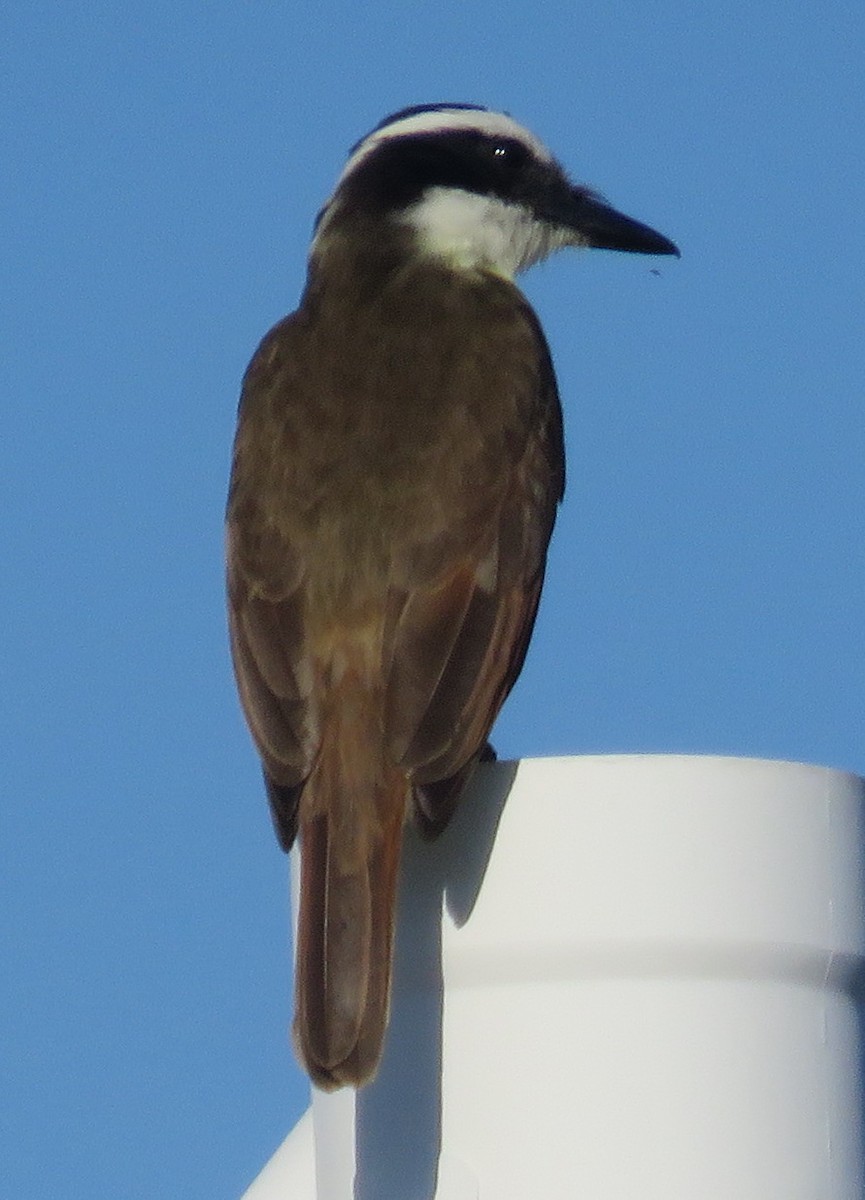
(396, 471)
(452, 560)
(455, 643)
(265, 587)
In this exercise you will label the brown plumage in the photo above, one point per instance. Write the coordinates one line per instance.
(384, 565)
(397, 467)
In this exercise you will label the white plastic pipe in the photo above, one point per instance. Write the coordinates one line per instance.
(646, 988)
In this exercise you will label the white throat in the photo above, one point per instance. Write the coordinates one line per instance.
(473, 232)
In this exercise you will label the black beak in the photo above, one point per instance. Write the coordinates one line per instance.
(598, 225)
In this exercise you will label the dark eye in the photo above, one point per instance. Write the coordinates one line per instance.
(509, 154)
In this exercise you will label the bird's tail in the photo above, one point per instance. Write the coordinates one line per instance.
(352, 814)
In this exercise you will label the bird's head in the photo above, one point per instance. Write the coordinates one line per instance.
(475, 190)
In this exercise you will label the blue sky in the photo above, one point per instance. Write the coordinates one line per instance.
(162, 167)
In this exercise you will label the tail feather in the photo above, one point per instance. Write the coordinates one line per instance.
(350, 842)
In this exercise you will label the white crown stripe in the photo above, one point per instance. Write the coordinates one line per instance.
(493, 124)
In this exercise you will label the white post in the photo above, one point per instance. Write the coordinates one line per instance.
(650, 991)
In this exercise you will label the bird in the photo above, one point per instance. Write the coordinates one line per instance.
(397, 467)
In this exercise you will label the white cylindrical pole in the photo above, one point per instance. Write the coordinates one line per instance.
(645, 985)
(290, 1173)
